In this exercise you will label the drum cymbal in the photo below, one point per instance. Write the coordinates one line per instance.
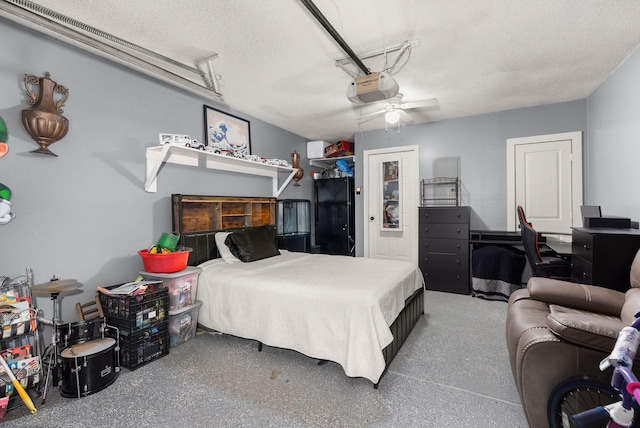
(55, 286)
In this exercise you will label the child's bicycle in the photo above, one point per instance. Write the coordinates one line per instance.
(585, 402)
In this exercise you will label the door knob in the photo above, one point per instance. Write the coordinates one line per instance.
(371, 218)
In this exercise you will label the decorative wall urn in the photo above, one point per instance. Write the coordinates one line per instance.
(44, 121)
(295, 157)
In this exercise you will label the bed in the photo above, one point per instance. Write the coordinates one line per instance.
(354, 311)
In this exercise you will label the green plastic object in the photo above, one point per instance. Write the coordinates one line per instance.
(5, 192)
(4, 135)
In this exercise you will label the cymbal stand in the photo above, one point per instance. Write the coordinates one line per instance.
(52, 349)
(30, 283)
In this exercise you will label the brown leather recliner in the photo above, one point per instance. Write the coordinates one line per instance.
(557, 329)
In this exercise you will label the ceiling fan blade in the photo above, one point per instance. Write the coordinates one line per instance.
(431, 104)
(370, 116)
(404, 116)
(395, 100)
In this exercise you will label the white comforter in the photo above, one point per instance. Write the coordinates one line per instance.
(335, 308)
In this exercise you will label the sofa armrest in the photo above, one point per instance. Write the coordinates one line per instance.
(579, 296)
(584, 328)
(631, 306)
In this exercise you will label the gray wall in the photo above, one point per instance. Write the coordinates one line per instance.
(480, 142)
(85, 214)
(608, 119)
(613, 156)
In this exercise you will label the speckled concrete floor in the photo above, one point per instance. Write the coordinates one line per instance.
(452, 371)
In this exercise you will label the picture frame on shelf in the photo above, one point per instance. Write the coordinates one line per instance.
(226, 133)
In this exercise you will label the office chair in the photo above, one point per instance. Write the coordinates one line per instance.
(548, 264)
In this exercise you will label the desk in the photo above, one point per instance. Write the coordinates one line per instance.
(497, 263)
(496, 237)
(603, 256)
(501, 237)
(599, 256)
(559, 246)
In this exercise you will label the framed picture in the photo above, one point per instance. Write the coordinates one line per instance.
(391, 200)
(225, 132)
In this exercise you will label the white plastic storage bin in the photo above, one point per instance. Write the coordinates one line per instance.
(315, 149)
(183, 324)
(182, 286)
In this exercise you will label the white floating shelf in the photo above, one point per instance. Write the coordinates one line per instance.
(324, 162)
(158, 155)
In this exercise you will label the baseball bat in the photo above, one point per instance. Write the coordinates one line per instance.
(16, 384)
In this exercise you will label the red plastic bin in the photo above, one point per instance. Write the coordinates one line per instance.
(164, 262)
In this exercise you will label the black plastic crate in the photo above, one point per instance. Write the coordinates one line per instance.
(136, 312)
(142, 346)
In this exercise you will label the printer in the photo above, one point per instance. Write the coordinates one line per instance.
(592, 217)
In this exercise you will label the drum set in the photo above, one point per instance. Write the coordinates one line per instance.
(80, 358)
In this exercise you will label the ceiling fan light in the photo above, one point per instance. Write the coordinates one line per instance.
(392, 116)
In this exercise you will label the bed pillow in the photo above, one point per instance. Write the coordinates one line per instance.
(253, 244)
(225, 252)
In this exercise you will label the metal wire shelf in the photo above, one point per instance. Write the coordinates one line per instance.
(440, 191)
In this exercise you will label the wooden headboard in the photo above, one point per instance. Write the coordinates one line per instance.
(198, 218)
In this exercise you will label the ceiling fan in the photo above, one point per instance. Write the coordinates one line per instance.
(395, 110)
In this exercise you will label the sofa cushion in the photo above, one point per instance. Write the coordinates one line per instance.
(583, 328)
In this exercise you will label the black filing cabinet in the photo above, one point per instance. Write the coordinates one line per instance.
(603, 256)
(444, 248)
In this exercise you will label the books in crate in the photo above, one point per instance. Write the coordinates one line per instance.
(128, 289)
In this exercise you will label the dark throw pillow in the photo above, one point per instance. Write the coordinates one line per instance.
(253, 244)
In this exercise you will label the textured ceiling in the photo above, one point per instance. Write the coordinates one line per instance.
(278, 64)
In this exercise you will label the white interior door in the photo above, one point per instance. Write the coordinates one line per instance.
(396, 238)
(545, 177)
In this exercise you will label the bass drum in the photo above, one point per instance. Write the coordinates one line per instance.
(89, 367)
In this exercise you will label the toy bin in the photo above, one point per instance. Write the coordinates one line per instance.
(164, 262)
(181, 285)
(138, 311)
(315, 149)
(26, 371)
(183, 324)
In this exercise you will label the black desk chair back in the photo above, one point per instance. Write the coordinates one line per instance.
(549, 264)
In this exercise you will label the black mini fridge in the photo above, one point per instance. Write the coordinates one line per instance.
(334, 216)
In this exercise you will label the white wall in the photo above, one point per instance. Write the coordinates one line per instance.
(85, 214)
